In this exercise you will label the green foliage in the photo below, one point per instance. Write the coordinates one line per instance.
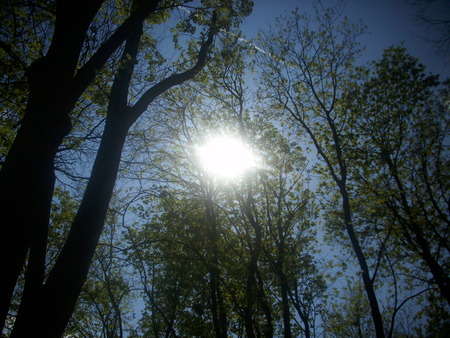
(200, 236)
(350, 315)
(384, 132)
(208, 257)
(400, 158)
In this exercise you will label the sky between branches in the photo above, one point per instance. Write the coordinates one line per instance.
(389, 22)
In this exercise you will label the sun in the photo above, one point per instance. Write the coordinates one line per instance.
(226, 157)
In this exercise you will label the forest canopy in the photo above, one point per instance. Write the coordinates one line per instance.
(124, 217)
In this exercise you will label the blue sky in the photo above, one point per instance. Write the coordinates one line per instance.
(390, 22)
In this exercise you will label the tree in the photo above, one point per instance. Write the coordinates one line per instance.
(64, 282)
(105, 306)
(351, 316)
(403, 124)
(304, 72)
(387, 158)
(352, 159)
(55, 81)
(223, 230)
(192, 279)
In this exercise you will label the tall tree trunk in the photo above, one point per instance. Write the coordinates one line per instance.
(27, 176)
(55, 84)
(279, 269)
(248, 310)
(25, 203)
(53, 307)
(217, 306)
(367, 281)
(440, 276)
(250, 287)
(303, 316)
(35, 273)
(340, 178)
(285, 304)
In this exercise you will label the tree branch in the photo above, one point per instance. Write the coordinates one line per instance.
(175, 79)
(88, 72)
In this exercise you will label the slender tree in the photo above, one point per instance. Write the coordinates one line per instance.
(305, 71)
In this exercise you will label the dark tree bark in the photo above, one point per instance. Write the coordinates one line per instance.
(27, 177)
(339, 176)
(50, 310)
(367, 281)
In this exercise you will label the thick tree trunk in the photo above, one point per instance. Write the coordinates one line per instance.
(25, 204)
(54, 303)
(66, 279)
(248, 315)
(35, 273)
(53, 307)
(27, 182)
(27, 177)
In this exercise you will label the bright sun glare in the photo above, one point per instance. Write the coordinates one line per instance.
(226, 157)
